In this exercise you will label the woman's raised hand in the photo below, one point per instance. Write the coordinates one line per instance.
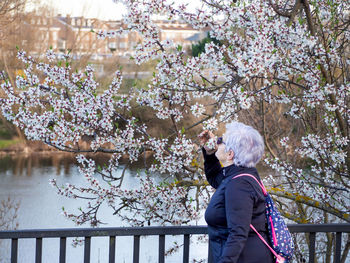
(207, 140)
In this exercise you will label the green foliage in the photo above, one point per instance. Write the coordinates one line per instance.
(7, 130)
(7, 143)
(5, 133)
(199, 48)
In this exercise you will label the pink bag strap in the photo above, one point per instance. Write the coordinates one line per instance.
(279, 258)
(259, 183)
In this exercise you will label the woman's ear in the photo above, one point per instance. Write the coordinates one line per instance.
(231, 155)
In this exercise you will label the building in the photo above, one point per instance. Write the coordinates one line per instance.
(78, 35)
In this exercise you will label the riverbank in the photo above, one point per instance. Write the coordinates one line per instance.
(18, 146)
(23, 153)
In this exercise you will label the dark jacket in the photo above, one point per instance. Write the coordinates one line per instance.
(235, 205)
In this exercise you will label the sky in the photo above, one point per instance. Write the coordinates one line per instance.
(103, 9)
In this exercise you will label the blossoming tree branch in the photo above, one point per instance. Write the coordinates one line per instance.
(282, 66)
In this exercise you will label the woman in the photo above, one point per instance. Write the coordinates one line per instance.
(238, 202)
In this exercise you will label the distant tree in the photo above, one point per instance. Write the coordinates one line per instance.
(10, 14)
(8, 214)
(9, 10)
(199, 48)
(8, 221)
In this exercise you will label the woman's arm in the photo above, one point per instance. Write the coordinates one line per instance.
(239, 201)
(212, 169)
(212, 166)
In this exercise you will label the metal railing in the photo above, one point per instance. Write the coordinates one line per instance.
(161, 232)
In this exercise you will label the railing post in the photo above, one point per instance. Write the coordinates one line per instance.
(111, 249)
(63, 242)
(312, 247)
(38, 250)
(136, 254)
(87, 248)
(210, 256)
(186, 254)
(161, 250)
(14, 250)
(337, 252)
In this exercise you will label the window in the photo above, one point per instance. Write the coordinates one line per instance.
(62, 44)
(112, 45)
(54, 36)
(123, 45)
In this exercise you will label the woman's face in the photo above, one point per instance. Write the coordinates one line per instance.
(223, 156)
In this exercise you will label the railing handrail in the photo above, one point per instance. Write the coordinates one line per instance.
(308, 228)
(105, 231)
(152, 230)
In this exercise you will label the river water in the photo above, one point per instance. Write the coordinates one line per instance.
(25, 179)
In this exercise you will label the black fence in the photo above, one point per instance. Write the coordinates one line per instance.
(161, 232)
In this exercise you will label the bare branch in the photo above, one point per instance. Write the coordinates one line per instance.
(310, 202)
(278, 11)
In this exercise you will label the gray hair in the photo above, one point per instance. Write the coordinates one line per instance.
(246, 143)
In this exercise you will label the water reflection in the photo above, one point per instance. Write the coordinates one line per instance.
(23, 164)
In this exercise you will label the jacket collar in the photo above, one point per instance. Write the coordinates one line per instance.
(233, 170)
